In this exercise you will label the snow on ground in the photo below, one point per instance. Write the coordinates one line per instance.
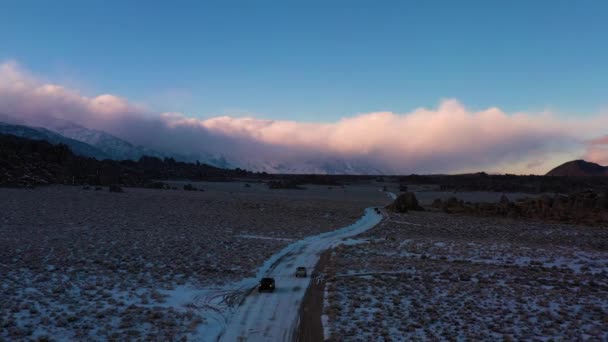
(145, 264)
(274, 316)
(433, 276)
(249, 236)
(390, 194)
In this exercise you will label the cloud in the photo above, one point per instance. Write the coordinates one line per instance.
(449, 138)
(25, 95)
(597, 150)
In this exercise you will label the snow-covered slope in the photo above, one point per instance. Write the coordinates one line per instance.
(95, 143)
(121, 149)
(114, 147)
(39, 133)
(330, 167)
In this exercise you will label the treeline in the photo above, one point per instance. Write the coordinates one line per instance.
(26, 162)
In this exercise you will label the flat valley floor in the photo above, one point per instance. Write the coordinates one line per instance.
(160, 265)
(94, 265)
(434, 276)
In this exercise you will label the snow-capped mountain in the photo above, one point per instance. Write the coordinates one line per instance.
(95, 143)
(330, 167)
(118, 148)
(102, 145)
(112, 146)
(39, 133)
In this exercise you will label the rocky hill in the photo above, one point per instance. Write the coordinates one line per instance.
(579, 168)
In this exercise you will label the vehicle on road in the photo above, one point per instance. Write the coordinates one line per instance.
(301, 272)
(267, 284)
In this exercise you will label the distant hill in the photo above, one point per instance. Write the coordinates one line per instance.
(579, 168)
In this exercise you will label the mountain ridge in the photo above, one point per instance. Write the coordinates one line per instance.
(102, 145)
(115, 147)
(43, 134)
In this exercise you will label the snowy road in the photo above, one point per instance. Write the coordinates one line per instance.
(274, 316)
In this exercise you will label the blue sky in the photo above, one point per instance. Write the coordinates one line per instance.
(318, 61)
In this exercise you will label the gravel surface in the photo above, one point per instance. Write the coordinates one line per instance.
(93, 265)
(432, 276)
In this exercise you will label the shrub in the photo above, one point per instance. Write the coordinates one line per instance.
(115, 188)
(189, 187)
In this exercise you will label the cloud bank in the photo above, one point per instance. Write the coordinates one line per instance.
(447, 139)
(597, 150)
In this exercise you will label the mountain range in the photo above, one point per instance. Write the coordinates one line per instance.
(113, 147)
(94, 143)
(102, 145)
(39, 133)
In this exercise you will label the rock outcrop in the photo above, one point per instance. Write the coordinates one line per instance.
(404, 203)
(585, 207)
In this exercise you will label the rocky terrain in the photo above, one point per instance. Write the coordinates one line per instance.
(587, 208)
(88, 265)
(434, 276)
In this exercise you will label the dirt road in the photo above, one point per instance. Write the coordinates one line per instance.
(274, 316)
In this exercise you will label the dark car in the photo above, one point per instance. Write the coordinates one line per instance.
(301, 272)
(267, 284)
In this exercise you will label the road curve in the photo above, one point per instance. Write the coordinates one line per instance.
(274, 316)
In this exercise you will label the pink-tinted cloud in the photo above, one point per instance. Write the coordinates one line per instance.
(597, 150)
(449, 138)
(25, 95)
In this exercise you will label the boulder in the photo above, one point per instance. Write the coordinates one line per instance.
(405, 202)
